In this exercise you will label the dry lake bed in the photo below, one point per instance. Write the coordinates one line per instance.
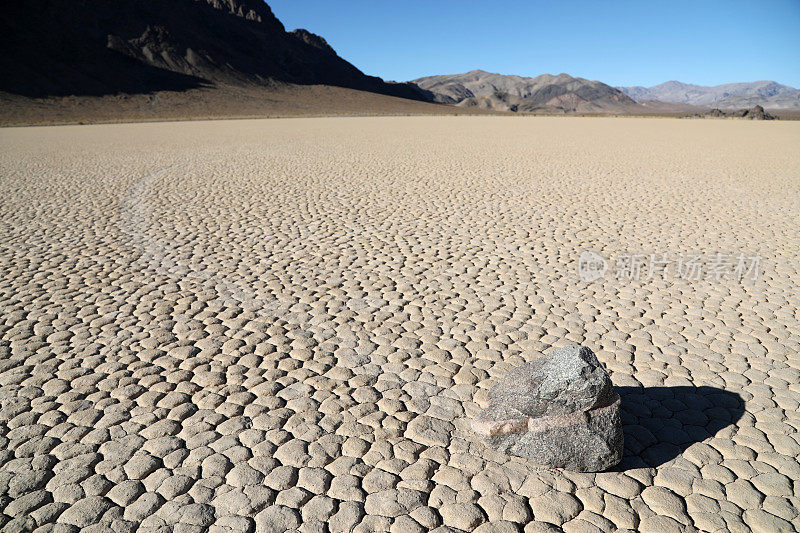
(284, 324)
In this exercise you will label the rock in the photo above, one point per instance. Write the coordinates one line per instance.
(742, 493)
(406, 524)
(85, 512)
(754, 113)
(619, 485)
(126, 492)
(556, 507)
(773, 484)
(426, 516)
(384, 503)
(281, 478)
(664, 502)
(48, 513)
(517, 510)
(560, 411)
(198, 514)
(141, 465)
(430, 431)
(661, 524)
(377, 480)
(231, 502)
(462, 516)
(27, 503)
(277, 518)
(242, 475)
(761, 521)
(347, 517)
(174, 486)
(347, 488)
(144, 506)
(294, 497)
(757, 113)
(27, 481)
(319, 508)
(315, 480)
(234, 523)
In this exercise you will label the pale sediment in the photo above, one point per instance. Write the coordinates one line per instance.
(278, 324)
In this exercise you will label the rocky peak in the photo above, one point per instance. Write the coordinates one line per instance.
(256, 10)
(313, 39)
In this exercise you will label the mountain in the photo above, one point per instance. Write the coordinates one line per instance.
(768, 94)
(100, 47)
(548, 93)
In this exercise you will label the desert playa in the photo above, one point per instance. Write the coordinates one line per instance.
(268, 325)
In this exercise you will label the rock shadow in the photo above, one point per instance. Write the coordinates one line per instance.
(660, 423)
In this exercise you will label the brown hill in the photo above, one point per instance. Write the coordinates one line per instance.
(545, 93)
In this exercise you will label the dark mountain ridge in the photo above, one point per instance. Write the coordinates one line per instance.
(98, 47)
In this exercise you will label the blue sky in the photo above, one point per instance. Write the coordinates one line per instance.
(617, 42)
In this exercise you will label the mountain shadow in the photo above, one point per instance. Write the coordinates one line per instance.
(660, 423)
(97, 47)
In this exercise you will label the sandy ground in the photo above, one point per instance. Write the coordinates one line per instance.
(274, 324)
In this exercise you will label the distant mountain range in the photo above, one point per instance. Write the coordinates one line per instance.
(59, 51)
(561, 93)
(567, 94)
(768, 94)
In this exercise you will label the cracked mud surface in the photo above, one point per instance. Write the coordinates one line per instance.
(279, 324)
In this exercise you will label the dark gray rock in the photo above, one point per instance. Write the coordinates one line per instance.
(559, 411)
(756, 113)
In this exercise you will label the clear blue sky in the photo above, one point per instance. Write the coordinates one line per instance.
(617, 42)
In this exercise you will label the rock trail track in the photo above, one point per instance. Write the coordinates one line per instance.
(269, 325)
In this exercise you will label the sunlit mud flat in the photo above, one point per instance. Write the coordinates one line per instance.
(272, 324)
